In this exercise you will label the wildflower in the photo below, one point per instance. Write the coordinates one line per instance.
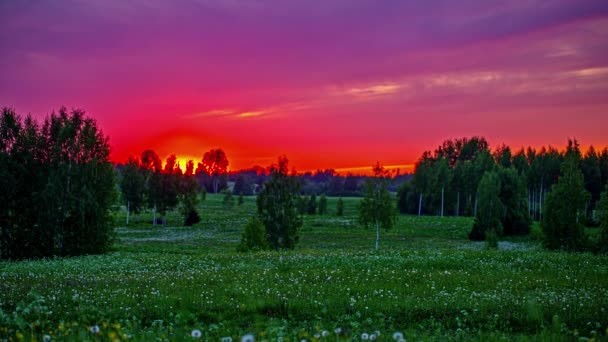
(248, 338)
(94, 329)
(397, 336)
(196, 333)
(364, 336)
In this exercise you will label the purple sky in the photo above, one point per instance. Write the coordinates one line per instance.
(328, 83)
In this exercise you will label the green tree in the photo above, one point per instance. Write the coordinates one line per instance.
(277, 206)
(57, 186)
(214, 164)
(253, 237)
(228, 200)
(515, 218)
(188, 193)
(490, 208)
(562, 222)
(377, 207)
(340, 207)
(602, 208)
(132, 185)
(241, 199)
(312, 205)
(322, 205)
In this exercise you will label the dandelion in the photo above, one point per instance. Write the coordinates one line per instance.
(227, 339)
(196, 333)
(94, 329)
(325, 333)
(397, 336)
(364, 336)
(46, 338)
(248, 338)
(317, 336)
(338, 330)
(372, 337)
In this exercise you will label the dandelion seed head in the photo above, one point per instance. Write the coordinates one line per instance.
(248, 338)
(94, 329)
(196, 333)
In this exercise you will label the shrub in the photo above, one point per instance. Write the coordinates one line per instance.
(254, 236)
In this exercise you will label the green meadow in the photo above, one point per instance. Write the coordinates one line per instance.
(427, 282)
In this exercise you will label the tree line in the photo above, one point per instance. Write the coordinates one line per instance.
(56, 186)
(505, 192)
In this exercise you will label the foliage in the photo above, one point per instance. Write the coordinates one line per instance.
(564, 210)
(188, 195)
(515, 219)
(58, 186)
(340, 207)
(254, 236)
(277, 207)
(490, 208)
(215, 165)
(228, 199)
(312, 205)
(602, 209)
(377, 207)
(241, 199)
(132, 185)
(243, 185)
(322, 205)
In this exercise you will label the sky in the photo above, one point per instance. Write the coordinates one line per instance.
(330, 84)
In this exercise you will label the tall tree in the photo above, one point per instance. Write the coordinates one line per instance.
(590, 165)
(602, 245)
(322, 205)
(214, 164)
(562, 222)
(277, 206)
(58, 186)
(377, 205)
(132, 185)
(515, 218)
(152, 170)
(490, 207)
(188, 193)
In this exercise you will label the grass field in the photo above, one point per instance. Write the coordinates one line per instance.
(427, 281)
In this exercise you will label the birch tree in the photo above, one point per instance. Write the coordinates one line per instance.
(377, 207)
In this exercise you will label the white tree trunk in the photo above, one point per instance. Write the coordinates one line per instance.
(540, 205)
(442, 191)
(420, 204)
(377, 234)
(128, 212)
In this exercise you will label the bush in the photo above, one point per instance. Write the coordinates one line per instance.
(490, 207)
(340, 207)
(192, 218)
(322, 205)
(254, 236)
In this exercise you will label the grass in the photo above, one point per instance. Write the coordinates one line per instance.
(427, 281)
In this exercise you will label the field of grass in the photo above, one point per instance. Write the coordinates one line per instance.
(427, 281)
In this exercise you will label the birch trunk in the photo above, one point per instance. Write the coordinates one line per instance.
(128, 212)
(420, 204)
